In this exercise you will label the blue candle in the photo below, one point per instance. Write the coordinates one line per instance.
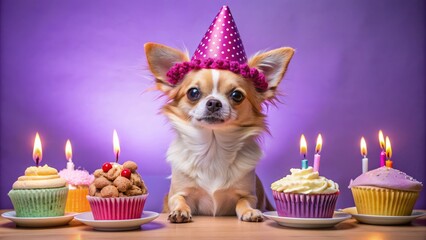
(303, 151)
(304, 164)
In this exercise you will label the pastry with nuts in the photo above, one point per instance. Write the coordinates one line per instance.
(118, 192)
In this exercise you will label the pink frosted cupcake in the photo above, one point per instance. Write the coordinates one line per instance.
(78, 182)
(118, 192)
(385, 191)
(305, 194)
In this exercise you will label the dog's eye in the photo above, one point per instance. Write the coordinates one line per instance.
(237, 96)
(193, 94)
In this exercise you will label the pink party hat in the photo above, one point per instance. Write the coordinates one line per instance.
(220, 48)
(222, 40)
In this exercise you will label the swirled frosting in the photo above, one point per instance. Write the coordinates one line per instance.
(387, 178)
(39, 177)
(305, 181)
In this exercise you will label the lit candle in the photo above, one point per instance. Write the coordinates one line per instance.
(68, 155)
(317, 156)
(382, 146)
(388, 153)
(303, 151)
(116, 145)
(37, 150)
(364, 154)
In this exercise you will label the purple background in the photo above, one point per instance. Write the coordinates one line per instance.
(77, 69)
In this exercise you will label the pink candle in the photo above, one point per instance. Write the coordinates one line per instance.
(317, 159)
(382, 146)
(382, 158)
(317, 156)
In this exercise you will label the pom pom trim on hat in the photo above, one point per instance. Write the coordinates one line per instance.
(179, 70)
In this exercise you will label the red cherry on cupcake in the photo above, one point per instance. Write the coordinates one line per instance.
(106, 167)
(126, 173)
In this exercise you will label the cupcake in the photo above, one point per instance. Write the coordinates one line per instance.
(78, 184)
(118, 192)
(305, 194)
(40, 193)
(385, 191)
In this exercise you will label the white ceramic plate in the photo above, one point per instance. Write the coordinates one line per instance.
(382, 220)
(38, 221)
(307, 222)
(116, 225)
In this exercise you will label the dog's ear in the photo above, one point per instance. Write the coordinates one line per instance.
(274, 65)
(160, 59)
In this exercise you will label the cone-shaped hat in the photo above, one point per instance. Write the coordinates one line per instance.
(222, 40)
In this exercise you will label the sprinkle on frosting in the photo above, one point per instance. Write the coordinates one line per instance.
(385, 177)
(77, 177)
(305, 181)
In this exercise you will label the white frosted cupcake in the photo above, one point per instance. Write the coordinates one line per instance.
(305, 194)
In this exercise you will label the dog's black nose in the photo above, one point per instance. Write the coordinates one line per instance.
(213, 105)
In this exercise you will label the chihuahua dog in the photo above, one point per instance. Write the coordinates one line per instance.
(217, 115)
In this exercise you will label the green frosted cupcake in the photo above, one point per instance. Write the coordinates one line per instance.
(40, 193)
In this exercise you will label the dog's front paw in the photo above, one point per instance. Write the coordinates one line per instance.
(180, 216)
(252, 215)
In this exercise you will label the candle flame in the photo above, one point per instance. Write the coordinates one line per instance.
(303, 145)
(388, 148)
(363, 147)
(116, 144)
(319, 144)
(68, 150)
(37, 150)
(381, 140)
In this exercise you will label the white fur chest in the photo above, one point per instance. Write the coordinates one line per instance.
(214, 159)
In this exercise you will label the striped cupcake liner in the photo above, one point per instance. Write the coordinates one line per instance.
(77, 200)
(383, 201)
(305, 205)
(117, 208)
(49, 202)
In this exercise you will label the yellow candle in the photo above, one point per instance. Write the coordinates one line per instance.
(388, 153)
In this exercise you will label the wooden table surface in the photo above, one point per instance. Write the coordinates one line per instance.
(218, 228)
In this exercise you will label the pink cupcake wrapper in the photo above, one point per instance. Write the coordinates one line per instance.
(305, 205)
(117, 208)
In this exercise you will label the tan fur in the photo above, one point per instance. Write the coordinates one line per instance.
(213, 164)
(269, 63)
